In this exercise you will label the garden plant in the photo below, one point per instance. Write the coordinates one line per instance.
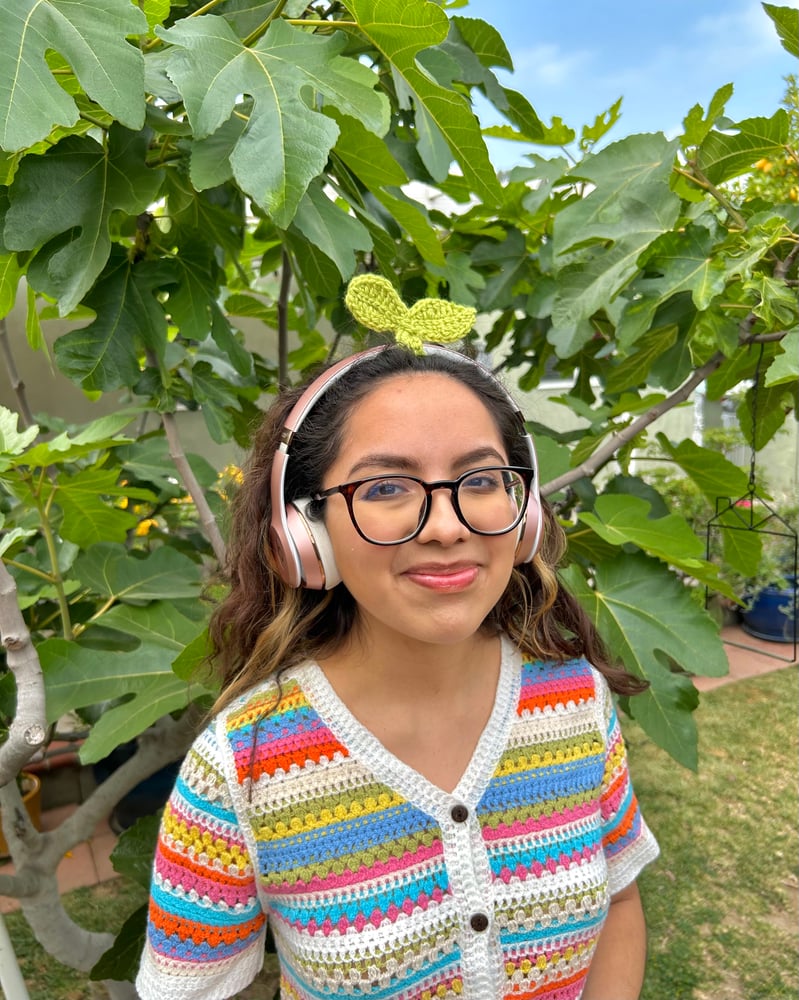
(172, 173)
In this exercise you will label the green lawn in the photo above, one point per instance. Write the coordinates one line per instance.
(721, 901)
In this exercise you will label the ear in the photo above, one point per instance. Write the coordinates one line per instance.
(317, 562)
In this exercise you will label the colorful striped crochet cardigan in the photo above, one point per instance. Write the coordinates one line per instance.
(375, 882)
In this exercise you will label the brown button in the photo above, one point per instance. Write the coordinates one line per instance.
(478, 922)
(459, 813)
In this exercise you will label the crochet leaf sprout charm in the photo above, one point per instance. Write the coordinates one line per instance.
(374, 302)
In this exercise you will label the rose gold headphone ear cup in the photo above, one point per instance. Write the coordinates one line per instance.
(530, 532)
(317, 564)
(283, 554)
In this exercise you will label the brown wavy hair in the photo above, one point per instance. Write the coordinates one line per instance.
(263, 626)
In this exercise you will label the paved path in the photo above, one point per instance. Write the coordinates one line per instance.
(748, 657)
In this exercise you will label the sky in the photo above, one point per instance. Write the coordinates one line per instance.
(575, 59)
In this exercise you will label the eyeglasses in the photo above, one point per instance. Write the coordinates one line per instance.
(388, 510)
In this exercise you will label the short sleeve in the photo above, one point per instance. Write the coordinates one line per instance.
(628, 843)
(206, 928)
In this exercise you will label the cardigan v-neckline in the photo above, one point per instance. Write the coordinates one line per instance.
(362, 744)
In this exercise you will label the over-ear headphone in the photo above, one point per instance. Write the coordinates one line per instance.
(301, 546)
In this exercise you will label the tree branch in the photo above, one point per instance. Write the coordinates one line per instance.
(166, 741)
(207, 519)
(28, 728)
(605, 452)
(17, 384)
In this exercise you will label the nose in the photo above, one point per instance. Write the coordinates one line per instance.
(443, 524)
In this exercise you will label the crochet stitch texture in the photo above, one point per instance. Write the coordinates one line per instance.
(378, 884)
(373, 301)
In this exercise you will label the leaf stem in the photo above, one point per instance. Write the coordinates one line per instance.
(264, 26)
(29, 569)
(308, 23)
(58, 583)
(698, 178)
(81, 627)
(205, 8)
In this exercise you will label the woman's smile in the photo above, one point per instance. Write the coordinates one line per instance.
(448, 578)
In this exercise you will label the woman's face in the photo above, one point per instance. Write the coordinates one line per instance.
(439, 586)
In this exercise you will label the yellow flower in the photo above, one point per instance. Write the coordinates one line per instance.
(143, 527)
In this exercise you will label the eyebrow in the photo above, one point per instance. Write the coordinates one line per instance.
(403, 463)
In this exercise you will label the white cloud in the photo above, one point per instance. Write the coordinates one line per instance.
(742, 34)
(547, 65)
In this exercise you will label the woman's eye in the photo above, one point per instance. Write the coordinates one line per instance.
(383, 489)
(484, 482)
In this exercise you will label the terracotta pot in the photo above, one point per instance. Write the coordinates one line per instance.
(32, 800)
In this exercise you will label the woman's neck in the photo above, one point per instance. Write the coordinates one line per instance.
(411, 671)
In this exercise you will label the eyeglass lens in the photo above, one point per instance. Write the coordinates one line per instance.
(390, 509)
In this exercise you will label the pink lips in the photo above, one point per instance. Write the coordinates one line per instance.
(443, 578)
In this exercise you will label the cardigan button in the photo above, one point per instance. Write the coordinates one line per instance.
(478, 922)
(459, 813)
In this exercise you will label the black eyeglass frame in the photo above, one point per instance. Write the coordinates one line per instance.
(348, 490)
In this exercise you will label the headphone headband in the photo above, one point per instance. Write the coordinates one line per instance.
(302, 548)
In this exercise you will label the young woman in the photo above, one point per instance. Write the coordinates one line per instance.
(415, 772)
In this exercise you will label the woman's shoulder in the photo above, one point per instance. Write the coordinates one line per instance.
(559, 684)
(271, 697)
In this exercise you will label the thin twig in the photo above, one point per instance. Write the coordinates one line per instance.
(178, 456)
(282, 321)
(17, 384)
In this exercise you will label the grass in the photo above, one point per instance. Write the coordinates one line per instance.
(101, 907)
(721, 901)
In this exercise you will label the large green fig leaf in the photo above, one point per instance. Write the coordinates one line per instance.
(76, 677)
(786, 21)
(70, 193)
(91, 35)
(649, 619)
(112, 570)
(170, 624)
(88, 518)
(715, 475)
(399, 31)
(620, 519)
(285, 143)
(683, 262)
(106, 354)
(629, 206)
(331, 230)
(785, 367)
(630, 194)
(728, 154)
(68, 446)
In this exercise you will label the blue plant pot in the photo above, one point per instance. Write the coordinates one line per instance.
(771, 615)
